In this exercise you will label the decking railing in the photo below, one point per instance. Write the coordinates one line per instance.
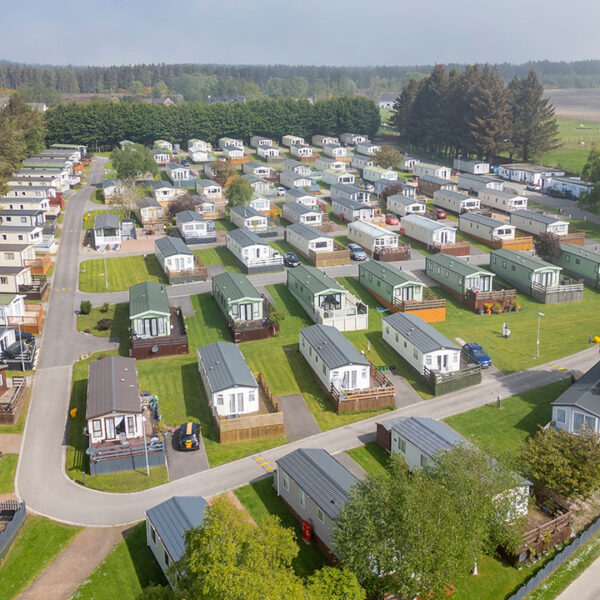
(381, 393)
(557, 294)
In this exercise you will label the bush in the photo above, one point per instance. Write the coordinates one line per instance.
(104, 308)
(104, 324)
(85, 307)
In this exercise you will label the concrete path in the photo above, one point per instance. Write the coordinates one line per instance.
(62, 577)
(405, 394)
(347, 461)
(181, 464)
(10, 443)
(586, 586)
(298, 421)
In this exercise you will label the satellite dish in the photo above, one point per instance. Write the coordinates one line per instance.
(89, 451)
(154, 349)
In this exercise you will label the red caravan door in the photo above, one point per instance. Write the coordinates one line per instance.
(306, 532)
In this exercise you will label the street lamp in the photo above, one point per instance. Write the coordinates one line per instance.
(537, 349)
(145, 446)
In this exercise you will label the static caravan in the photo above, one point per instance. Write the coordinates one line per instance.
(384, 186)
(237, 298)
(258, 141)
(164, 145)
(349, 192)
(502, 200)
(569, 187)
(537, 223)
(294, 180)
(267, 152)
(257, 169)
(321, 140)
(194, 228)
(174, 256)
(334, 150)
(230, 387)
(457, 275)
(350, 210)
(422, 346)
(427, 231)
(581, 262)
(325, 163)
(149, 311)
(296, 167)
(196, 145)
(305, 238)
(294, 212)
(367, 148)
(149, 211)
(325, 300)
(233, 152)
(372, 237)
(375, 173)
(485, 228)
(428, 184)
(295, 195)
(161, 157)
(252, 252)
(106, 232)
(526, 173)
(410, 162)
(401, 205)
(338, 177)
(292, 140)
(351, 139)
(225, 142)
(389, 283)
(524, 270)
(248, 218)
(333, 359)
(422, 169)
(475, 183)
(301, 151)
(262, 205)
(260, 186)
(360, 161)
(455, 201)
(209, 188)
(468, 165)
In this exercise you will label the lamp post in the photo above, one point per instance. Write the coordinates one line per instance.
(458, 162)
(537, 348)
(145, 446)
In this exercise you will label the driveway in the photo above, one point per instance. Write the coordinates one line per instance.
(298, 421)
(182, 464)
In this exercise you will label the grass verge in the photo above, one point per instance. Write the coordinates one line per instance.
(8, 467)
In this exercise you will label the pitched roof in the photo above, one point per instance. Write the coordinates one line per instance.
(386, 97)
(436, 180)
(388, 273)
(452, 194)
(405, 199)
(297, 193)
(157, 185)
(170, 246)
(246, 238)
(147, 202)
(148, 296)
(173, 517)
(457, 265)
(187, 216)
(110, 182)
(333, 348)
(584, 393)
(428, 435)
(351, 204)
(321, 477)
(348, 188)
(206, 183)
(314, 279)
(107, 221)
(306, 231)
(425, 223)
(224, 366)
(425, 337)
(112, 387)
(372, 230)
(235, 286)
(483, 220)
(535, 216)
(246, 212)
(528, 261)
(299, 208)
(570, 249)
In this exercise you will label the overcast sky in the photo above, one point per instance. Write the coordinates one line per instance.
(321, 32)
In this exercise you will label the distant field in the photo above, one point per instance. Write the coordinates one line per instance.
(576, 103)
(571, 156)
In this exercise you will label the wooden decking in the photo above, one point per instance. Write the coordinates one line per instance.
(338, 256)
(399, 253)
(166, 345)
(379, 395)
(31, 322)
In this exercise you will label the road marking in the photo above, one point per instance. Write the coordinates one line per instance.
(271, 468)
(263, 463)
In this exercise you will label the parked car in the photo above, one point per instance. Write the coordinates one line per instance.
(391, 220)
(189, 436)
(439, 213)
(473, 352)
(185, 162)
(533, 187)
(356, 252)
(281, 191)
(370, 187)
(290, 259)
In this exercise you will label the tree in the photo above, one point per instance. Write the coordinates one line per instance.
(567, 463)
(180, 204)
(133, 162)
(389, 158)
(535, 129)
(392, 189)
(547, 246)
(239, 192)
(591, 172)
(223, 171)
(232, 559)
(329, 583)
(159, 89)
(135, 88)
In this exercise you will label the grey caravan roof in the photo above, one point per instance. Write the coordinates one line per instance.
(483, 220)
(225, 367)
(187, 216)
(171, 246)
(246, 211)
(332, 347)
(107, 221)
(535, 216)
(306, 231)
(425, 337)
(351, 204)
(299, 208)
(429, 435)
(321, 477)
(584, 393)
(245, 238)
(173, 517)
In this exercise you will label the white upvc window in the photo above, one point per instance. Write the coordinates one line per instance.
(286, 483)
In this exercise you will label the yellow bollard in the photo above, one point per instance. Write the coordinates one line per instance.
(73, 413)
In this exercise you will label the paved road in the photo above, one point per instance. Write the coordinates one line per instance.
(586, 586)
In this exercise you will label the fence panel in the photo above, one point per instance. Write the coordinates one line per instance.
(8, 534)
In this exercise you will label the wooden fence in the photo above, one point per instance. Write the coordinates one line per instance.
(456, 249)
(338, 256)
(198, 273)
(380, 395)
(443, 383)
(575, 237)
(31, 322)
(557, 294)
(478, 301)
(402, 252)
(544, 537)
(521, 244)
(39, 265)
(11, 407)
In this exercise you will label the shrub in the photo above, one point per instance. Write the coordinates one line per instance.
(85, 307)
(497, 308)
(104, 324)
(515, 305)
(104, 308)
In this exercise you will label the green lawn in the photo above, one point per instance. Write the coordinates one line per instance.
(8, 467)
(592, 230)
(97, 196)
(499, 432)
(125, 572)
(78, 462)
(570, 156)
(284, 247)
(39, 541)
(119, 313)
(224, 225)
(260, 500)
(90, 216)
(123, 272)
(565, 329)
(219, 256)
(371, 457)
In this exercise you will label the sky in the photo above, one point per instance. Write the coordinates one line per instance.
(316, 32)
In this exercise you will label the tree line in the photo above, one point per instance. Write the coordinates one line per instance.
(472, 113)
(103, 124)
